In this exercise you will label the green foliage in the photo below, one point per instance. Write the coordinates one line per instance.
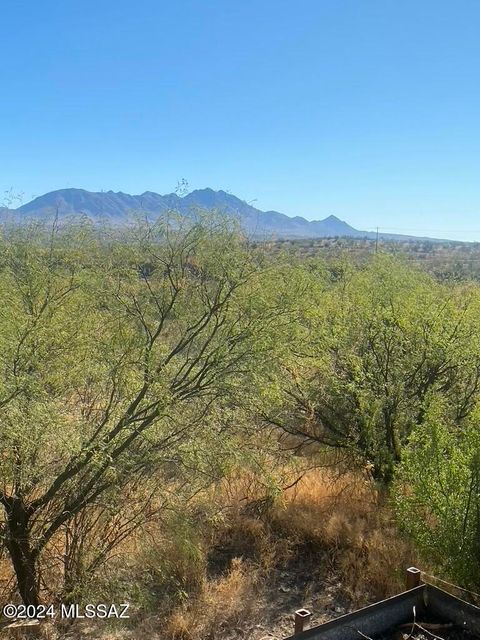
(154, 361)
(437, 494)
(374, 343)
(123, 357)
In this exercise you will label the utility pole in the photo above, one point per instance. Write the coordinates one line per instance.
(376, 242)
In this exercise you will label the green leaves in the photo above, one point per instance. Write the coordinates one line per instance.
(371, 345)
(128, 355)
(159, 353)
(437, 494)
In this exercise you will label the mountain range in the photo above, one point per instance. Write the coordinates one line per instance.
(117, 207)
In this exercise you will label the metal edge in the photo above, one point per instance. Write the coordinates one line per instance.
(455, 609)
(413, 597)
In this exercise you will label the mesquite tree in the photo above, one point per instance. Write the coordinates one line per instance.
(115, 349)
(378, 345)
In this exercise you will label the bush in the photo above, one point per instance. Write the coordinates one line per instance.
(438, 496)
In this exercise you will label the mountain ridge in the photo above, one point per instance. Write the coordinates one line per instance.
(119, 206)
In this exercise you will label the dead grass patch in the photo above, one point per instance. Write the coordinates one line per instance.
(221, 566)
(349, 519)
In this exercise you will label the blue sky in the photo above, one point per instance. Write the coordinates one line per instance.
(366, 109)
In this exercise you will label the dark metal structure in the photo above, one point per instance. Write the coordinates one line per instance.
(380, 619)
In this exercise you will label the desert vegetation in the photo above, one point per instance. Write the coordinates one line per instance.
(219, 431)
(445, 260)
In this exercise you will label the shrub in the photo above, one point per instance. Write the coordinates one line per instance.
(438, 496)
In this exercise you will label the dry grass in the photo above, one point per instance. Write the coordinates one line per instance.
(347, 517)
(337, 523)
(223, 603)
(218, 570)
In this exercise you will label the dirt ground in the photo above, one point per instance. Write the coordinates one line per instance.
(293, 588)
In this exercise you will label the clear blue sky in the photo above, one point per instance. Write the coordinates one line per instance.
(367, 109)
